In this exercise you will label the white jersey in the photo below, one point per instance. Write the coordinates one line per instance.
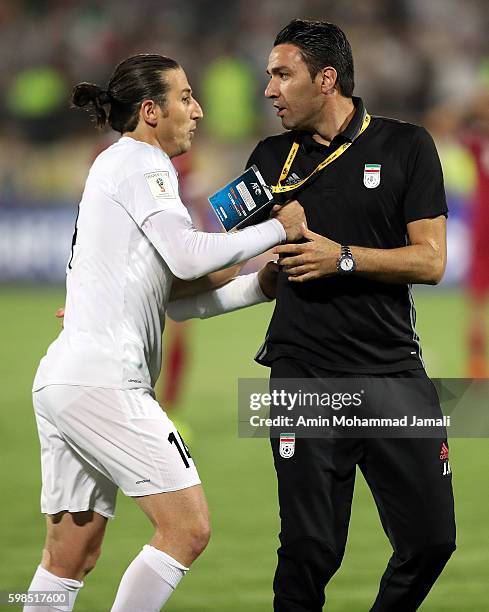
(118, 284)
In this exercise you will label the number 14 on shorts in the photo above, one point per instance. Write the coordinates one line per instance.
(181, 447)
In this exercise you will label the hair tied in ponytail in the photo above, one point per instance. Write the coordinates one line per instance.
(134, 80)
(104, 97)
(93, 96)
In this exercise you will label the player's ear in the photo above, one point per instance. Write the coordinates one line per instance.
(148, 112)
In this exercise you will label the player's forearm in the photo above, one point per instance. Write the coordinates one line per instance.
(241, 292)
(210, 252)
(191, 254)
(184, 289)
(417, 263)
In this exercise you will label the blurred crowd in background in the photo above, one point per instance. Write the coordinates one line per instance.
(411, 56)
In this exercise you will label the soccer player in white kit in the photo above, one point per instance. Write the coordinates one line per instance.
(99, 424)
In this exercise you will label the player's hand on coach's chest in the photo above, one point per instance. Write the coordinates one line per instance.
(314, 258)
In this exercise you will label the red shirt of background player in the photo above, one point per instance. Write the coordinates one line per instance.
(478, 278)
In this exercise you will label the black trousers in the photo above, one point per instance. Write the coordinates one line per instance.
(414, 499)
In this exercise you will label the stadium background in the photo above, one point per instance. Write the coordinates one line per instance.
(411, 56)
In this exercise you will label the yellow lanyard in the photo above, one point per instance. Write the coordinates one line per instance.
(279, 188)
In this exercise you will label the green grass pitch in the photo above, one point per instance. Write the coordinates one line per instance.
(235, 573)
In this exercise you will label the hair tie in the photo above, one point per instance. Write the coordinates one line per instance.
(104, 97)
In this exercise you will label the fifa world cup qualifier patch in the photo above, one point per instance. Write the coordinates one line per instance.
(160, 184)
(287, 445)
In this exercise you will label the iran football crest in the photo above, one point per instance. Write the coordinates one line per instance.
(371, 176)
(287, 445)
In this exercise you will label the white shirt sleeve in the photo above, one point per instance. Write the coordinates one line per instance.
(146, 192)
(190, 253)
(241, 292)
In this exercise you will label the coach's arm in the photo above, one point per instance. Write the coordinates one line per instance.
(423, 260)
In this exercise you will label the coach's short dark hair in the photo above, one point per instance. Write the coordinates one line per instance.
(321, 44)
(137, 78)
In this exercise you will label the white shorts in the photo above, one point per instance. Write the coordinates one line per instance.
(94, 441)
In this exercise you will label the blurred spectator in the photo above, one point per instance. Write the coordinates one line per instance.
(228, 97)
(37, 92)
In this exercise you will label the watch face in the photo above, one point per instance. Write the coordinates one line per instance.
(346, 264)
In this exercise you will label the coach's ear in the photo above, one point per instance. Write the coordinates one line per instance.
(328, 77)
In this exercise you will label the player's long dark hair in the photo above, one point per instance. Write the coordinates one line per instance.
(135, 79)
(321, 44)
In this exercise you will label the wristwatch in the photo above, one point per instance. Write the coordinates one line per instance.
(346, 263)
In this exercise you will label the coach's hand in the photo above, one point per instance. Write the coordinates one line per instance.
(291, 216)
(309, 260)
(267, 277)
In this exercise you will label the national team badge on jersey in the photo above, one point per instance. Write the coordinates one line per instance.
(287, 445)
(371, 175)
(160, 184)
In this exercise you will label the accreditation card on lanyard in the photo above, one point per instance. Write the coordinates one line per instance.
(280, 188)
(244, 201)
